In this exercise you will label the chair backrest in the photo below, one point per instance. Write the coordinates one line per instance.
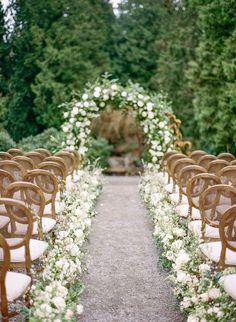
(233, 162)
(45, 153)
(215, 166)
(26, 162)
(196, 155)
(5, 179)
(14, 168)
(166, 156)
(4, 267)
(35, 156)
(77, 156)
(205, 160)
(214, 201)
(14, 152)
(226, 156)
(197, 185)
(178, 166)
(186, 174)
(228, 175)
(172, 159)
(32, 197)
(19, 213)
(54, 168)
(69, 160)
(58, 160)
(5, 156)
(48, 184)
(227, 233)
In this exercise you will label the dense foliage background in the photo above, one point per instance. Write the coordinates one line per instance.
(187, 48)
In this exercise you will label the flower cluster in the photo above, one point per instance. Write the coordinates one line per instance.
(149, 110)
(55, 295)
(197, 286)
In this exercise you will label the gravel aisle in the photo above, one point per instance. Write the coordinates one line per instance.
(123, 283)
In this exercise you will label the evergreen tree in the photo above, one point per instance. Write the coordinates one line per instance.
(76, 51)
(134, 53)
(212, 75)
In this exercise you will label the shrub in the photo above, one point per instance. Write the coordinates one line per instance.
(6, 142)
(100, 149)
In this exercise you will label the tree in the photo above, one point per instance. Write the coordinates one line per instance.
(134, 54)
(212, 75)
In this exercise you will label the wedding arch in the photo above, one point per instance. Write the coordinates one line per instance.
(149, 110)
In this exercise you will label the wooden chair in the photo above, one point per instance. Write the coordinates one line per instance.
(170, 162)
(69, 160)
(205, 160)
(33, 197)
(14, 168)
(5, 156)
(164, 162)
(196, 155)
(12, 285)
(175, 171)
(36, 157)
(223, 252)
(57, 170)
(186, 174)
(226, 156)
(214, 201)
(26, 162)
(215, 166)
(23, 249)
(45, 153)
(228, 175)
(233, 162)
(5, 180)
(58, 160)
(49, 185)
(195, 187)
(14, 152)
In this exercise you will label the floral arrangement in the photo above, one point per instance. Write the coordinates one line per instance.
(149, 110)
(196, 284)
(55, 295)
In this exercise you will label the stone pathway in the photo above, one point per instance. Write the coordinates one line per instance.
(123, 283)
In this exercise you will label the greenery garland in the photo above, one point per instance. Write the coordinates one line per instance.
(149, 111)
(198, 287)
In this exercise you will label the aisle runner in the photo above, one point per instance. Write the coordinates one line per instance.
(123, 282)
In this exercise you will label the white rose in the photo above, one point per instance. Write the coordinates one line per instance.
(69, 314)
(214, 293)
(86, 104)
(149, 106)
(66, 114)
(204, 267)
(79, 309)
(59, 302)
(182, 259)
(65, 128)
(150, 115)
(182, 277)
(114, 87)
(105, 97)
(96, 94)
(204, 297)
(85, 97)
(75, 110)
(124, 94)
(192, 318)
(140, 103)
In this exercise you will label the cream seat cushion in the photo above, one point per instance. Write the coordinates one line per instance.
(164, 177)
(174, 197)
(230, 285)
(48, 209)
(212, 250)
(4, 220)
(210, 232)
(37, 249)
(47, 224)
(183, 211)
(16, 285)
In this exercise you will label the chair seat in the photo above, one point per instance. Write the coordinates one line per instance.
(164, 177)
(37, 249)
(4, 220)
(210, 232)
(174, 197)
(230, 285)
(16, 285)
(183, 211)
(47, 225)
(48, 209)
(169, 188)
(212, 250)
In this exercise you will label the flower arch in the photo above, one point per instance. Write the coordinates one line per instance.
(149, 110)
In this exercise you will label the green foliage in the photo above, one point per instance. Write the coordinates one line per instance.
(50, 139)
(99, 151)
(6, 142)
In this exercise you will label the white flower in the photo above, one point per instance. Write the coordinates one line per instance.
(85, 97)
(140, 103)
(97, 89)
(79, 309)
(182, 259)
(96, 94)
(182, 277)
(114, 87)
(69, 314)
(193, 318)
(204, 267)
(86, 104)
(59, 302)
(214, 293)
(149, 106)
(204, 297)
(105, 97)
(161, 125)
(123, 94)
(66, 114)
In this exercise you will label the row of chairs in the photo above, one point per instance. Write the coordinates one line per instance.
(30, 188)
(203, 187)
